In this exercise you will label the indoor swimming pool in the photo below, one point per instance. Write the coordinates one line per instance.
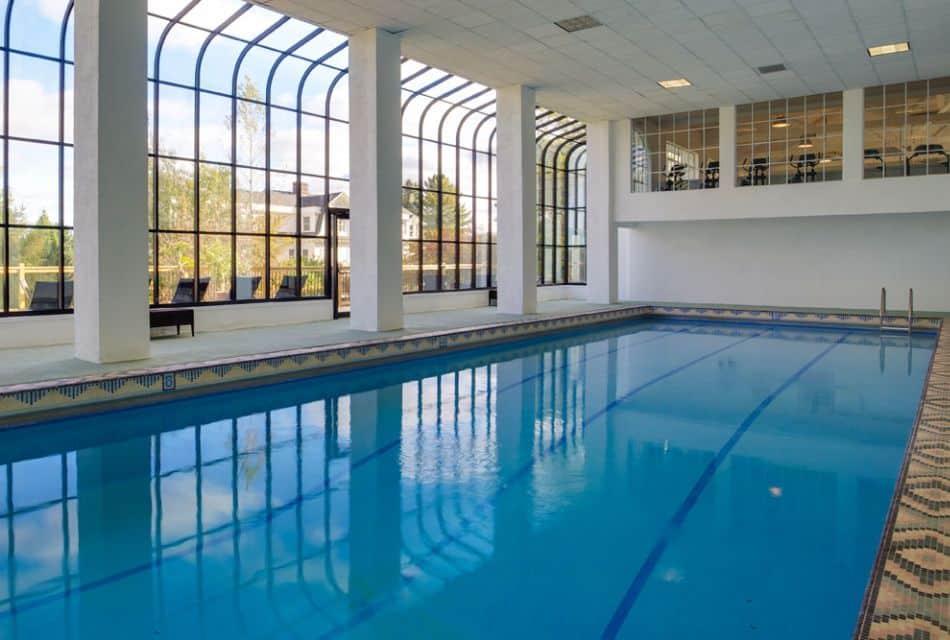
(653, 479)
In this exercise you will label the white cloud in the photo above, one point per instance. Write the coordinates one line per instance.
(53, 9)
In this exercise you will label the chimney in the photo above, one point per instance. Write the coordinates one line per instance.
(302, 187)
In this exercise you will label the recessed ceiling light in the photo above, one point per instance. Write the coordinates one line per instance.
(885, 49)
(578, 24)
(771, 68)
(675, 84)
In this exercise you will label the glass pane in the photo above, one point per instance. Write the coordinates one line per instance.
(577, 264)
(215, 132)
(283, 203)
(216, 266)
(34, 269)
(410, 266)
(481, 265)
(466, 253)
(34, 98)
(250, 268)
(250, 200)
(214, 197)
(176, 196)
(283, 268)
(250, 129)
(449, 272)
(34, 171)
(176, 116)
(176, 268)
(430, 266)
(313, 266)
(449, 216)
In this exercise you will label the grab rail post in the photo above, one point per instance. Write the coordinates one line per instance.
(910, 310)
(883, 305)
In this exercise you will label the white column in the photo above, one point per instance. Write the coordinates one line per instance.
(601, 231)
(727, 148)
(111, 321)
(517, 202)
(375, 182)
(852, 114)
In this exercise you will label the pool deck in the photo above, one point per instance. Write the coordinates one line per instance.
(39, 364)
(909, 595)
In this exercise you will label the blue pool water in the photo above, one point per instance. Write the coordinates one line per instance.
(652, 480)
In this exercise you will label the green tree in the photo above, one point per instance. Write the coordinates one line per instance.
(430, 206)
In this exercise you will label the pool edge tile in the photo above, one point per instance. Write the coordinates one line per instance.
(908, 594)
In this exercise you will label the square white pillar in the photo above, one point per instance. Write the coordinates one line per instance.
(517, 202)
(727, 148)
(111, 230)
(852, 140)
(375, 182)
(602, 144)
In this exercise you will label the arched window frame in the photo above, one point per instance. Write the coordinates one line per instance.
(293, 235)
(477, 104)
(561, 140)
(20, 297)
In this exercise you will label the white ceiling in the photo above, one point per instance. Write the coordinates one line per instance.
(611, 71)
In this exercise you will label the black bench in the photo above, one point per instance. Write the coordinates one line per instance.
(172, 318)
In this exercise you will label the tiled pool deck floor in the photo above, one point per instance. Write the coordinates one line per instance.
(36, 364)
(910, 588)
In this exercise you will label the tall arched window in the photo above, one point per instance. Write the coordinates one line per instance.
(562, 192)
(448, 159)
(248, 152)
(36, 131)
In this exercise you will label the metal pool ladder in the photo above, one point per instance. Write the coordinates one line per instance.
(910, 313)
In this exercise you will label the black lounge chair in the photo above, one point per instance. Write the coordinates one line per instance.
(288, 287)
(246, 287)
(46, 295)
(711, 175)
(925, 150)
(185, 292)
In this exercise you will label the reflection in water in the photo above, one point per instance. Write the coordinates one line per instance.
(417, 498)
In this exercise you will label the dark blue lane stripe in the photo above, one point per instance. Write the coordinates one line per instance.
(676, 522)
(262, 518)
(376, 606)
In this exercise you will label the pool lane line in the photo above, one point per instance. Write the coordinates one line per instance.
(262, 518)
(679, 517)
(373, 608)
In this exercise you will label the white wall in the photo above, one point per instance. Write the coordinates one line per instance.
(265, 314)
(834, 261)
(562, 292)
(444, 301)
(36, 331)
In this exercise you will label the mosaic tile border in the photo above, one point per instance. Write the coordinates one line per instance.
(32, 402)
(870, 321)
(909, 592)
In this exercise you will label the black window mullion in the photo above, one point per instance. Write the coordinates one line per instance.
(331, 233)
(6, 194)
(61, 160)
